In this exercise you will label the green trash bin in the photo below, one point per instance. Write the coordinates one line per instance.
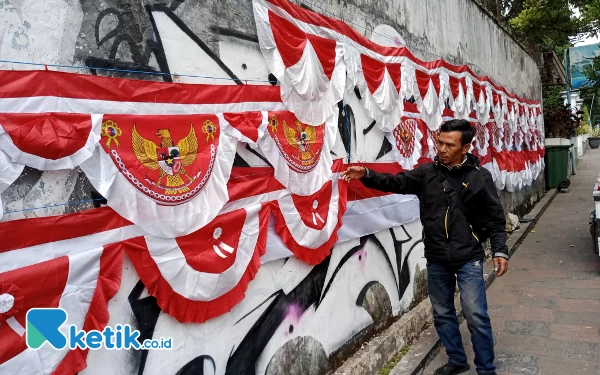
(557, 166)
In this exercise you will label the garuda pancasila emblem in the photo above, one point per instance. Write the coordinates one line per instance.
(303, 138)
(405, 137)
(480, 135)
(170, 158)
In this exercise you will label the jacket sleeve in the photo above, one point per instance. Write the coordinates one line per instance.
(494, 217)
(408, 182)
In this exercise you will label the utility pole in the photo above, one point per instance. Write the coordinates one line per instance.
(568, 80)
(591, 110)
(498, 10)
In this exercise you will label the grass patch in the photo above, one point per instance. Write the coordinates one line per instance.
(386, 370)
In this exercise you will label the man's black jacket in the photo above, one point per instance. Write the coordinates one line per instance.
(448, 236)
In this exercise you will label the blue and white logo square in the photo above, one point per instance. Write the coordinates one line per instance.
(43, 325)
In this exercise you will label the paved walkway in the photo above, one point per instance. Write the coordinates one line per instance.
(546, 310)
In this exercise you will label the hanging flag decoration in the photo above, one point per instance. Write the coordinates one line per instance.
(481, 142)
(307, 50)
(310, 68)
(379, 87)
(167, 174)
(300, 153)
(406, 140)
(308, 225)
(63, 266)
(49, 141)
(428, 102)
(210, 268)
(45, 91)
(204, 274)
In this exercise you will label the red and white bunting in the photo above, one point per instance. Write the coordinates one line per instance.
(203, 275)
(379, 86)
(497, 135)
(167, 174)
(308, 225)
(42, 91)
(49, 141)
(406, 140)
(59, 269)
(481, 142)
(209, 269)
(287, 32)
(310, 67)
(300, 153)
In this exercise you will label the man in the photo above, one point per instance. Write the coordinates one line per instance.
(452, 233)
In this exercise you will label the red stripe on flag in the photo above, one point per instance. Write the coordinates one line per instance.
(18, 234)
(30, 83)
(358, 191)
(250, 181)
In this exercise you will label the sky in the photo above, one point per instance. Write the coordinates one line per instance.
(589, 40)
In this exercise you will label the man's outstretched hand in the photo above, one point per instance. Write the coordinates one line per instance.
(353, 173)
(500, 266)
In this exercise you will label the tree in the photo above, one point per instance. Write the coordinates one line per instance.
(549, 23)
(561, 122)
(552, 98)
(591, 100)
(592, 72)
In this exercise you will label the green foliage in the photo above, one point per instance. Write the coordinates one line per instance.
(551, 98)
(560, 49)
(592, 72)
(590, 10)
(388, 368)
(548, 22)
(595, 132)
(591, 100)
(562, 122)
(583, 129)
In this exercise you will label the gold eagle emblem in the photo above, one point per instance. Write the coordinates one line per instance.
(405, 135)
(302, 138)
(171, 159)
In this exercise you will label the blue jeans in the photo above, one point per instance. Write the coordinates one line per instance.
(441, 284)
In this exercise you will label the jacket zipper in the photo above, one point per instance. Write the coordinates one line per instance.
(447, 236)
(446, 222)
(473, 233)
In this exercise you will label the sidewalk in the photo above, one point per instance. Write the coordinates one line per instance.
(546, 310)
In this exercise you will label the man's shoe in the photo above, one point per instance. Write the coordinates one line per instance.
(452, 369)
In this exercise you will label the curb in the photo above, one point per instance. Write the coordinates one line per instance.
(429, 344)
(378, 352)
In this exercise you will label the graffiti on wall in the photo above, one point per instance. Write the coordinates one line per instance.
(291, 307)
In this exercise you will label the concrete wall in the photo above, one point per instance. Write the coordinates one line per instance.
(218, 38)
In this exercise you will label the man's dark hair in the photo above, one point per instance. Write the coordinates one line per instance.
(464, 126)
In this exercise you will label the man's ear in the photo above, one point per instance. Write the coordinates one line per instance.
(466, 148)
